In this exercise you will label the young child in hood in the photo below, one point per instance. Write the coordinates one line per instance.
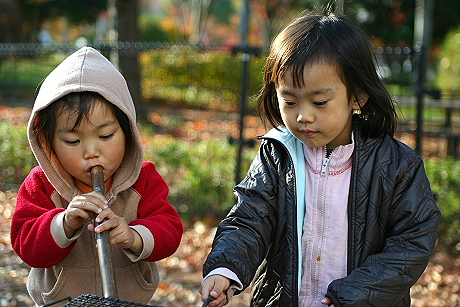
(84, 116)
(333, 210)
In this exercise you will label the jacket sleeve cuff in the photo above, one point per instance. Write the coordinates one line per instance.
(148, 243)
(334, 300)
(58, 232)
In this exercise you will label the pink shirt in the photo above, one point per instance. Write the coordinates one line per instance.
(325, 229)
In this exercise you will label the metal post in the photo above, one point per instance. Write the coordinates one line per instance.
(112, 33)
(244, 87)
(422, 43)
(419, 96)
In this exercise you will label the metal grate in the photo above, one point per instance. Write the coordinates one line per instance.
(89, 300)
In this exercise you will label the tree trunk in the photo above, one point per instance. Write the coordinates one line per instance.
(128, 32)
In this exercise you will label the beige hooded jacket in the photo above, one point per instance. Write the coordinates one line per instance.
(138, 193)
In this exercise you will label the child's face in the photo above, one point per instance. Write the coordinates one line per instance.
(99, 140)
(319, 112)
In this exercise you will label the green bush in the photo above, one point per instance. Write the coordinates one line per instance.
(186, 76)
(449, 64)
(20, 78)
(16, 158)
(200, 175)
(150, 31)
(445, 182)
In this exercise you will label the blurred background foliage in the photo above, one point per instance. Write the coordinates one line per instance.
(388, 21)
(448, 65)
(445, 182)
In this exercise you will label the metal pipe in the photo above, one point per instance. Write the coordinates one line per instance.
(244, 88)
(104, 247)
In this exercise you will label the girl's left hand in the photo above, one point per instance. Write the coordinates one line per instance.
(120, 232)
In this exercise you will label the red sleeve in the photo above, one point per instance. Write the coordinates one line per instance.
(30, 233)
(156, 213)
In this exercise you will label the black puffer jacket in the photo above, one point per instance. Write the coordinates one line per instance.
(393, 222)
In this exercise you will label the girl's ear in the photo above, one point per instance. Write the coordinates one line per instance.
(360, 99)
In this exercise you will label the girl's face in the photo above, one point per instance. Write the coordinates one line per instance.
(99, 140)
(319, 112)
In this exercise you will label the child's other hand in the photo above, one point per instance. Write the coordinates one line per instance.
(82, 209)
(215, 286)
(327, 301)
(120, 232)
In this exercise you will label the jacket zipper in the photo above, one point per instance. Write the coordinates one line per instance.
(320, 228)
(324, 166)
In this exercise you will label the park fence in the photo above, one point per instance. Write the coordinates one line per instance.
(183, 83)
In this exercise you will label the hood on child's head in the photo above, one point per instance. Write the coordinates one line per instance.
(86, 70)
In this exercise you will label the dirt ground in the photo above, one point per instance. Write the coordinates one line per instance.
(439, 286)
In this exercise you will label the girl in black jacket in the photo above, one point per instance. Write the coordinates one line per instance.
(333, 211)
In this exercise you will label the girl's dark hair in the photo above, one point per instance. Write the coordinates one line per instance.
(77, 103)
(328, 39)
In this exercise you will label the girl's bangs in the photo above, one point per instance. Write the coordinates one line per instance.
(296, 63)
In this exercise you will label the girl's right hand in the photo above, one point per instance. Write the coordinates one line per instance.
(83, 208)
(215, 286)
